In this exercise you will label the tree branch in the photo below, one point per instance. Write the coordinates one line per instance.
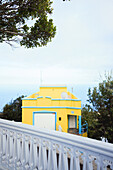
(13, 33)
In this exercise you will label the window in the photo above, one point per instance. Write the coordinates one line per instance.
(59, 118)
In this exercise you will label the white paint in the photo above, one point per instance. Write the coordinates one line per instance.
(60, 128)
(45, 120)
(24, 146)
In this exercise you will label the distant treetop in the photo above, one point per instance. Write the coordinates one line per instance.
(26, 22)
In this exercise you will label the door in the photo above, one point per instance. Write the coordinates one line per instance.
(45, 120)
(71, 121)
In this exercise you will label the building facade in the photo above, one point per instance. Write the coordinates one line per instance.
(53, 108)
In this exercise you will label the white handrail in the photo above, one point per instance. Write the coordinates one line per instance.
(26, 146)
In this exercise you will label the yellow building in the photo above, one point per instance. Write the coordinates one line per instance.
(53, 108)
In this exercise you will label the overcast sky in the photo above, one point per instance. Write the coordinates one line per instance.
(81, 50)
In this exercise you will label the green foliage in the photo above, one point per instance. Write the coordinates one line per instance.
(100, 115)
(26, 22)
(13, 110)
(90, 117)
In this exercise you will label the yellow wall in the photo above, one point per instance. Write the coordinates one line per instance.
(27, 116)
(74, 106)
(53, 92)
(51, 102)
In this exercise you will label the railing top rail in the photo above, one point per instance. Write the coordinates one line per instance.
(99, 147)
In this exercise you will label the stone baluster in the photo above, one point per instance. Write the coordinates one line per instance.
(98, 162)
(26, 152)
(7, 149)
(54, 156)
(44, 154)
(76, 160)
(60, 166)
(89, 159)
(23, 152)
(11, 160)
(15, 150)
(31, 153)
(4, 144)
(40, 155)
(71, 158)
(50, 159)
(7, 145)
(4, 151)
(11, 145)
(1, 145)
(65, 160)
(35, 154)
(84, 160)
(19, 151)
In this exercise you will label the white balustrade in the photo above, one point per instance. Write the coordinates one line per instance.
(25, 147)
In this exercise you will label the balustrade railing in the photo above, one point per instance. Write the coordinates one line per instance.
(25, 147)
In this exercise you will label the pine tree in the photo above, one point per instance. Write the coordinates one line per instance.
(13, 111)
(26, 22)
(101, 104)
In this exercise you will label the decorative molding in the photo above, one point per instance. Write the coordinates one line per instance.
(39, 97)
(53, 86)
(48, 97)
(67, 99)
(49, 107)
(25, 146)
(51, 99)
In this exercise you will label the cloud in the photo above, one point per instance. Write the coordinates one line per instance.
(81, 50)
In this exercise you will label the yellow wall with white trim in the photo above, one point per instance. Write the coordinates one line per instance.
(40, 99)
(51, 102)
(27, 115)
